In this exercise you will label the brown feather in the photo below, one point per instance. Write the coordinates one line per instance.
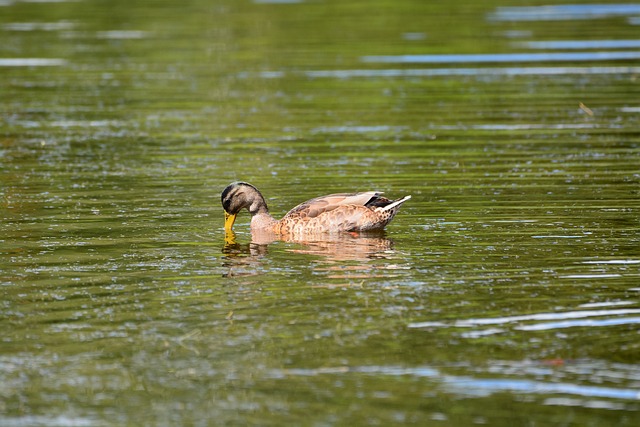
(332, 213)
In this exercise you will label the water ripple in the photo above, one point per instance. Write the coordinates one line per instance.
(581, 44)
(563, 12)
(484, 387)
(575, 323)
(38, 26)
(122, 34)
(31, 62)
(477, 387)
(447, 72)
(501, 57)
(561, 320)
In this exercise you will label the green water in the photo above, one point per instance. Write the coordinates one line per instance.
(505, 292)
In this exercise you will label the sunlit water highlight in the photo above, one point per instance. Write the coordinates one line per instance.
(446, 72)
(474, 386)
(32, 62)
(563, 12)
(581, 44)
(504, 57)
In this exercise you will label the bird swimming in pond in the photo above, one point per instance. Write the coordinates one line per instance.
(326, 214)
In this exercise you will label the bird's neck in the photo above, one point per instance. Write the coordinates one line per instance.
(262, 221)
(257, 205)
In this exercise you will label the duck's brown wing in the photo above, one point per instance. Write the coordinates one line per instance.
(315, 207)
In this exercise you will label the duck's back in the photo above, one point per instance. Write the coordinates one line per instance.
(340, 212)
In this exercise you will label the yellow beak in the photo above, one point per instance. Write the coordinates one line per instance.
(229, 219)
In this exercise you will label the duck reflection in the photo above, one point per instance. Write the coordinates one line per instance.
(246, 259)
(242, 259)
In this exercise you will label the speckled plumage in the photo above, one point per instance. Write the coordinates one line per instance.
(333, 213)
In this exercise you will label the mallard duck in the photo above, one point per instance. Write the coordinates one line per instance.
(326, 214)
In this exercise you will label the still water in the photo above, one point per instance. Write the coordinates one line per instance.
(506, 291)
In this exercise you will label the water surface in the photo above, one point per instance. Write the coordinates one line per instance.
(505, 292)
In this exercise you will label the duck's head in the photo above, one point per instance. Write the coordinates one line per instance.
(238, 196)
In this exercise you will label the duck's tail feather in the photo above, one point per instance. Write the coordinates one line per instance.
(395, 203)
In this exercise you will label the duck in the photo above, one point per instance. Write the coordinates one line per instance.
(334, 213)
